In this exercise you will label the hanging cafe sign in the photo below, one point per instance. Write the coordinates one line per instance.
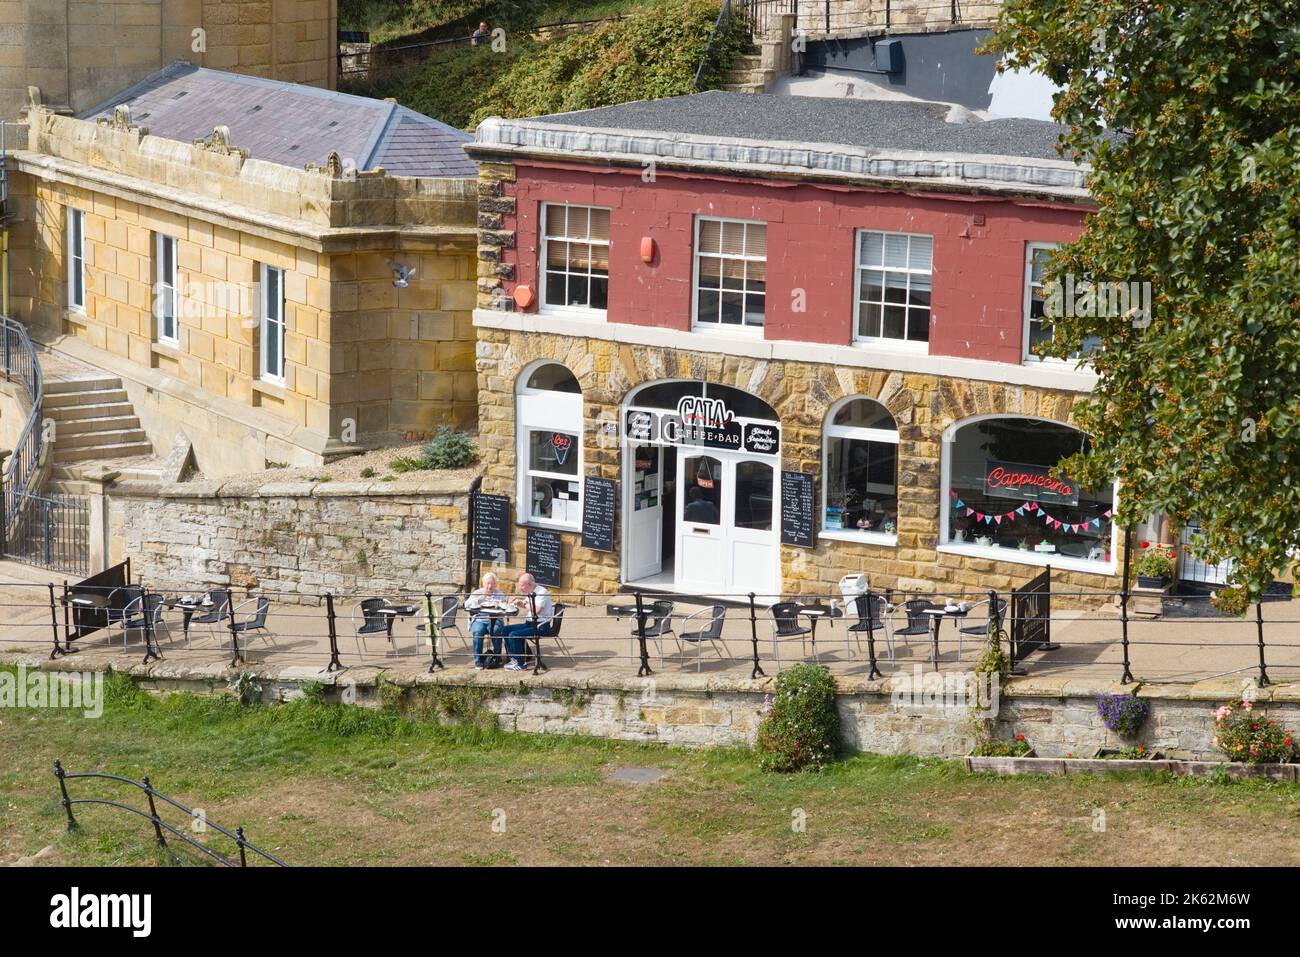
(702, 423)
(1031, 482)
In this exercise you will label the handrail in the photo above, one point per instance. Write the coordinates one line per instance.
(723, 20)
(22, 364)
(159, 824)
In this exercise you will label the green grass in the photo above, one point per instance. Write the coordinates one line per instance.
(649, 55)
(388, 20)
(320, 783)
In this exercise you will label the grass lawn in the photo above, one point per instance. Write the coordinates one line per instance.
(333, 784)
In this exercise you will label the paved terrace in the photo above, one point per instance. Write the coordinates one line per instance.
(1174, 650)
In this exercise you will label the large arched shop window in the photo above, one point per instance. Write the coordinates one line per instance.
(860, 458)
(548, 424)
(1004, 503)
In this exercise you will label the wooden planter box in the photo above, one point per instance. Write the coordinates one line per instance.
(1036, 765)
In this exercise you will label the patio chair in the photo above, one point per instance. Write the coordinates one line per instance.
(980, 630)
(785, 624)
(372, 622)
(918, 623)
(873, 613)
(119, 601)
(255, 624)
(659, 622)
(142, 612)
(706, 629)
(216, 614)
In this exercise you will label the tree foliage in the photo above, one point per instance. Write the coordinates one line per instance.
(1189, 113)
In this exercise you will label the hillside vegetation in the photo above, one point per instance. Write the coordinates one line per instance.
(389, 20)
(649, 54)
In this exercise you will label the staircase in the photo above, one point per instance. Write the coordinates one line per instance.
(749, 75)
(93, 420)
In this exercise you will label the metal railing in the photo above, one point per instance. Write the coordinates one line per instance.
(51, 531)
(21, 365)
(720, 25)
(159, 825)
(863, 17)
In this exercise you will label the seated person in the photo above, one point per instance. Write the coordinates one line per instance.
(532, 596)
(698, 508)
(480, 624)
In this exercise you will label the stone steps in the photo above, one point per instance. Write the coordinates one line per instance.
(93, 420)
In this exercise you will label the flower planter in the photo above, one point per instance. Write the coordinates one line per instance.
(1035, 765)
(1113, 754)
(1151, 583)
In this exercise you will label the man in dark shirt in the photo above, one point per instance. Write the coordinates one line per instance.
(698, 508)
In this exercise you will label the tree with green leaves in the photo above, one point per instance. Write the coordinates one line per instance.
(1189, 113)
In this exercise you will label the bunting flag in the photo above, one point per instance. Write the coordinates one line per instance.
(1027, 508)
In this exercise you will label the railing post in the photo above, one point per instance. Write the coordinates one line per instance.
(63, 790)
(59, 650)
(1259, 626)
(335, 664)
(753, 634)
(640, 633)
(149, 646)
(153, 812)
(538, 667)
(239, 839)
(234, 635)
(874, 670)
(1123, 605)
(434, 636)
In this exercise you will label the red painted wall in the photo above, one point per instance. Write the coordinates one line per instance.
(978, 291)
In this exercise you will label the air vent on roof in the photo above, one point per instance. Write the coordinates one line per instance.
(180, 94)
(333, 123)
(255, 109)
(293, 147)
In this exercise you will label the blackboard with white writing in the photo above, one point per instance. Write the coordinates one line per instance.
(798, 494)
(543, 556)
(492, 528)
(599, 514)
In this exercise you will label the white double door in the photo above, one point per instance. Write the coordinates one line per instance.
(727, 524)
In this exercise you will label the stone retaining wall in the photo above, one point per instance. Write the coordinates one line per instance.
(1058, 717)
(294, 537)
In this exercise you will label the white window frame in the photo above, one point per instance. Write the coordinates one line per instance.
(76, 259)
(169, 282)
(857, 433)
(271, 323)
(722, 327)
(889, 342)
(543, 410)
(544, 239)
(1012, 555)
(1028, 355)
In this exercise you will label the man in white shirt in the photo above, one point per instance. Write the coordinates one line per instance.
(532, 599)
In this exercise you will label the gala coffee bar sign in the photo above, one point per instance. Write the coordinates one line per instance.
(1032, 483)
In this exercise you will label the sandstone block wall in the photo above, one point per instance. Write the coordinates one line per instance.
(294, 539)
(859, 17)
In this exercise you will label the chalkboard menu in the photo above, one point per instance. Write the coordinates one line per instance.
(492, 528)
(598, 514)
(543, 558)
(798, 494)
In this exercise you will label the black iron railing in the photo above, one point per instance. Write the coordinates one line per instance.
(159, 825)
(22, 366)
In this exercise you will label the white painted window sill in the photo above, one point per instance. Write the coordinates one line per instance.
(862, 538)
(1017, 556)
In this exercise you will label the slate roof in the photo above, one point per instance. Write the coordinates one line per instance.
(871, 124)
(292, 124)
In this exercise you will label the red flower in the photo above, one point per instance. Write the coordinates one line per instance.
(1020, 737)
(1146, 544)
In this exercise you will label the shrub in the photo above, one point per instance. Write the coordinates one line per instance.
(449, 450)
(801, 728)
(1245, 736)
(1123, 713)
(1156, 562)
(1016, 748)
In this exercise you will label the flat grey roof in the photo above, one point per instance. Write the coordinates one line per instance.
(292, 124)
(849, 122)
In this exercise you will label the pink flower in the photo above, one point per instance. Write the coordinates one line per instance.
(1222, 713)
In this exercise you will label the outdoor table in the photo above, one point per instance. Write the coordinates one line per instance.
(188, 607)
(621, 610)
(814, 612)
(937, 614)
(392, 613)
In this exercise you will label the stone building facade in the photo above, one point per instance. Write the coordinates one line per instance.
(367, 358)
(973, 370)
(78, 53)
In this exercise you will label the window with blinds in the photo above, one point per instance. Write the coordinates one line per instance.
(730, 273)
(894, 271)
(575, 256)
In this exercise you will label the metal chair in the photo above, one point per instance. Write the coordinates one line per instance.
(785, 624)
(144, 613)
(873, 613)
(710, 632)
(372, 622)
(219, 599)
(120, 600)
(255, 624)
(450, 608)
(918, 623)
(659, 622)
(980, 631)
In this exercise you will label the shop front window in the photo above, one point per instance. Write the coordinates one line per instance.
(1004, 501)
(861, 463)
(549, 426)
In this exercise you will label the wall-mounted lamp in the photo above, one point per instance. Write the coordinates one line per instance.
(647, 249)
(524, 296)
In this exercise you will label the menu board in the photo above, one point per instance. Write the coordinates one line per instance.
(492, 528)
(543, 556)
(599, 513)
(798, 492)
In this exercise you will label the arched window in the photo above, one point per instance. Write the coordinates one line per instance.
(860, 458)
(548, 423)
(1003, 501)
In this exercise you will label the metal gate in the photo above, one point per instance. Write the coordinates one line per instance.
(1193, 569)
(1031, 616)
(51, 531)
